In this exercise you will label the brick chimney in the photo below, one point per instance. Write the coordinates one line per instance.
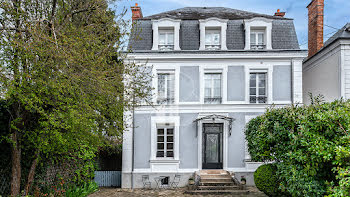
(279, 13)
(136, 12)
(315, 32)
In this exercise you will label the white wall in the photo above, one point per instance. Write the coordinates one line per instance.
(321, 75)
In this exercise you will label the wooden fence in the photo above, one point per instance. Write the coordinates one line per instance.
(108, 178)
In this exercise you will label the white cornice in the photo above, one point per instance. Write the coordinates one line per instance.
(238, 55)
(213, 19)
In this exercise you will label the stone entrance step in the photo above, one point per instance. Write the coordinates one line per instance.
(213, 172)
(218, 192)
(218, 187)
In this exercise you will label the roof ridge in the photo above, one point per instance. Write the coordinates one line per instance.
(208, 12)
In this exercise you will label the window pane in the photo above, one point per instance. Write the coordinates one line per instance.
(161, 38)
(262, 81)
(171, 87)
(160, 153)
(253, 39)
(170, 39)
(216, 39)
(170, 139)
(260, 39)
(170, 131)
(160, 146)
(160, 138)
(262, 91)
(170, 146)
(208, 39)
(252, 80)
(161, 85)
(252, 99)
(252, 91)
(207, 92)
(170, 154)
(160, 132)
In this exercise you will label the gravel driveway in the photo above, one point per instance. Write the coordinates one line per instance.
(104, 192)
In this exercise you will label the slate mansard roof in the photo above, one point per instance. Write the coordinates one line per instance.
(283, 31)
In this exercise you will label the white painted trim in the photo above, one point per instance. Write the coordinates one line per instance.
(258, 23)
(252, 55)
(166, 23)
(268, 69)
(162, 120)
(200, 138)
(297, 81)
(166, 69)
(213, 22)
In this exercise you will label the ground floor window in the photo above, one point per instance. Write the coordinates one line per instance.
(165, 141)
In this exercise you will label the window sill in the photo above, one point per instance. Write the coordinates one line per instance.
(159, 160)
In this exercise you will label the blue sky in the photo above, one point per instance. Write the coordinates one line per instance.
(336, 11)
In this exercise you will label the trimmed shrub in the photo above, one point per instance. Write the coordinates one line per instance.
(266, 180)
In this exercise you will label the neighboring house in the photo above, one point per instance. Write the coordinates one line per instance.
(214, 69)
(326, 71)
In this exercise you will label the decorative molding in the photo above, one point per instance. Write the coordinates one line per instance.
(163, 120)
(213, 22)
(166, 23)
(258, 23)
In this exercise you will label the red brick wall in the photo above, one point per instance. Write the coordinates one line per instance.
(316, 14)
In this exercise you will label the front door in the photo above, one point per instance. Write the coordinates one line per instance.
(212, 146)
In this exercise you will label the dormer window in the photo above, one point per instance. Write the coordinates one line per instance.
(257, 40)
(212, 39)
(258, 34)
(166, 39)
(213, 34)
(166, 34)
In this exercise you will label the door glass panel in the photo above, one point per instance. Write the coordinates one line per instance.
(212, 148)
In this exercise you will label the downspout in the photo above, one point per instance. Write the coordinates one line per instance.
(133, 143)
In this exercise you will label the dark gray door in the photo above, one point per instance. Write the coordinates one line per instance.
(212, 146)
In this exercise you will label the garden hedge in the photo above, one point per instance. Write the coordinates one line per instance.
(310, 146)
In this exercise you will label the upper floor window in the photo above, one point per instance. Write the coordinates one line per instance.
(257, 40)
(212, 88)
(166, 88)
(212, 39)
(257, 87)
(212, 34)
(166, 39)
(258, 33)
(165, 141)
(166, 34)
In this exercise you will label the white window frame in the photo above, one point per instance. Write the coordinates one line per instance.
(166, 23)
(269, 91)
(212, 31)
(258, 23)
(166, 32)
(162, 120)
(256, 33)
(257, 85)
(220, 69)
(209, 24)
(173, 72)
(212, 85)
(165, 128)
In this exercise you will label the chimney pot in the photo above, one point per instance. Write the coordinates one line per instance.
(279, 13)
(136, 12)
(315, 26)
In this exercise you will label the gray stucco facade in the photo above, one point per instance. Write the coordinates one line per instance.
(195, 122)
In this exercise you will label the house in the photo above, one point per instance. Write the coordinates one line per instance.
(326, 71)
(214, 70)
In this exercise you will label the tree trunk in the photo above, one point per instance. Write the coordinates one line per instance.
(32, 173)
(16, 166)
